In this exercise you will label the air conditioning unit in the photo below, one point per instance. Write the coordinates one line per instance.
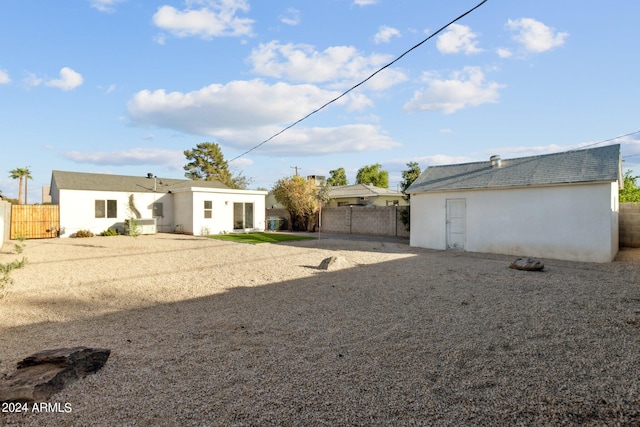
(143, 226)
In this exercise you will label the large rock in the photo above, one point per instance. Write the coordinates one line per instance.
(43, 374)
(527, 264)
(334, 263)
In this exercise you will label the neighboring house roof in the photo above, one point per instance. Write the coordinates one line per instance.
(130, 184)
(360, 190)
(591, 165)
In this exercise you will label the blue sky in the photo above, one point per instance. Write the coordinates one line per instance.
(125, 86)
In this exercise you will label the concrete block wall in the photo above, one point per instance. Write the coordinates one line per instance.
(369, 220)
(629, 225)
(336, 220)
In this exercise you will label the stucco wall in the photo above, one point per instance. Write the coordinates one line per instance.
(182, 211)
(77, 210)
(5, 221)
(222, 212)
(577, 222)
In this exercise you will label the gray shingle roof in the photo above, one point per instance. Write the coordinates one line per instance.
(590, 165)
(130, 184)
(360, 190)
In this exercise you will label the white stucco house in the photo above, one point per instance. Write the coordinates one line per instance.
(560, 206)
(97, 202)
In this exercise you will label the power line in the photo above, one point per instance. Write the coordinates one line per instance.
(362, 82)
(603, 141)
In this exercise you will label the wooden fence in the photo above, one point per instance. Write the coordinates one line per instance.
(34, 221)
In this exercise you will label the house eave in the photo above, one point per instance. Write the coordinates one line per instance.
(219, 190)
(509, 187)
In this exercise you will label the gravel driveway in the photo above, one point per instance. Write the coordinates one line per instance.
(207, 332)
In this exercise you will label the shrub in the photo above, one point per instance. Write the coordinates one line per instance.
(84, 233)
(19, 247)
(5, 274)
(131, 227)
(110, 232)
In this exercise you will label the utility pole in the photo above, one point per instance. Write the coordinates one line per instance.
(296, 168)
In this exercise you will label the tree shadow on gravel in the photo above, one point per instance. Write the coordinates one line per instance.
(420, 340)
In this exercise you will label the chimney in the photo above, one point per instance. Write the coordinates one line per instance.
(496, 162)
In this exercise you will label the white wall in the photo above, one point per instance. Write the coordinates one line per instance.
(182, 210)
(577, 222)
(222, 214)
(77, 210)
(5, 221)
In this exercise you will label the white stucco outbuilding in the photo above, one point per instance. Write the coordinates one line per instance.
(561, 206)
(97, 202)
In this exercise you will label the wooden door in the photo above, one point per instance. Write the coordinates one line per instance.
(34, 221)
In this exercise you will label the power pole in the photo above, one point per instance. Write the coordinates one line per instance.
(296, 168)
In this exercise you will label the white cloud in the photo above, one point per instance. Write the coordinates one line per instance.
(160, 38)
(364, 2)
(458, 38)
(504, 52)
(236, 105)
(426, 161)
(466, 88)
(107, 89)
(69, 80)
(214, 19)
(301, 141)
(4, 77)
(339, 65)
(244, 113)
(240, 163)
(134, 156)
(32, 80)
(385, 34)
(535, 36)
(108, 6)
(292, 17)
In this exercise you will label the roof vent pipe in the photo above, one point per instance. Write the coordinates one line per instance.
(496, 162)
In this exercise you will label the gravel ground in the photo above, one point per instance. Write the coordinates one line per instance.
(205, 332)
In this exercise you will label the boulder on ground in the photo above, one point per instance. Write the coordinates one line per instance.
(527, 264)
(334, 263)
(43, 374)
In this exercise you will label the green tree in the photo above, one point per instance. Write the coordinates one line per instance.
(631, 191)
(301, 198)
(374, 175)
(22, 174)
(206, 162)
(338, 177)
(408, 176)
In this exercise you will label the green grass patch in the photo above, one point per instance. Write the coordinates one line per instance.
(256, 238)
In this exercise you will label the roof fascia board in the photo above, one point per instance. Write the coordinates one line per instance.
(514, 187)
(219, 190)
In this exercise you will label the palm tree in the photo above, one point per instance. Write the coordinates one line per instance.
(27, 177)
(20, 173)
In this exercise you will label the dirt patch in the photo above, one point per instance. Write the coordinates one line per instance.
(221, 333)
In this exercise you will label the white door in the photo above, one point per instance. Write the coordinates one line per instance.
(456, 219)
